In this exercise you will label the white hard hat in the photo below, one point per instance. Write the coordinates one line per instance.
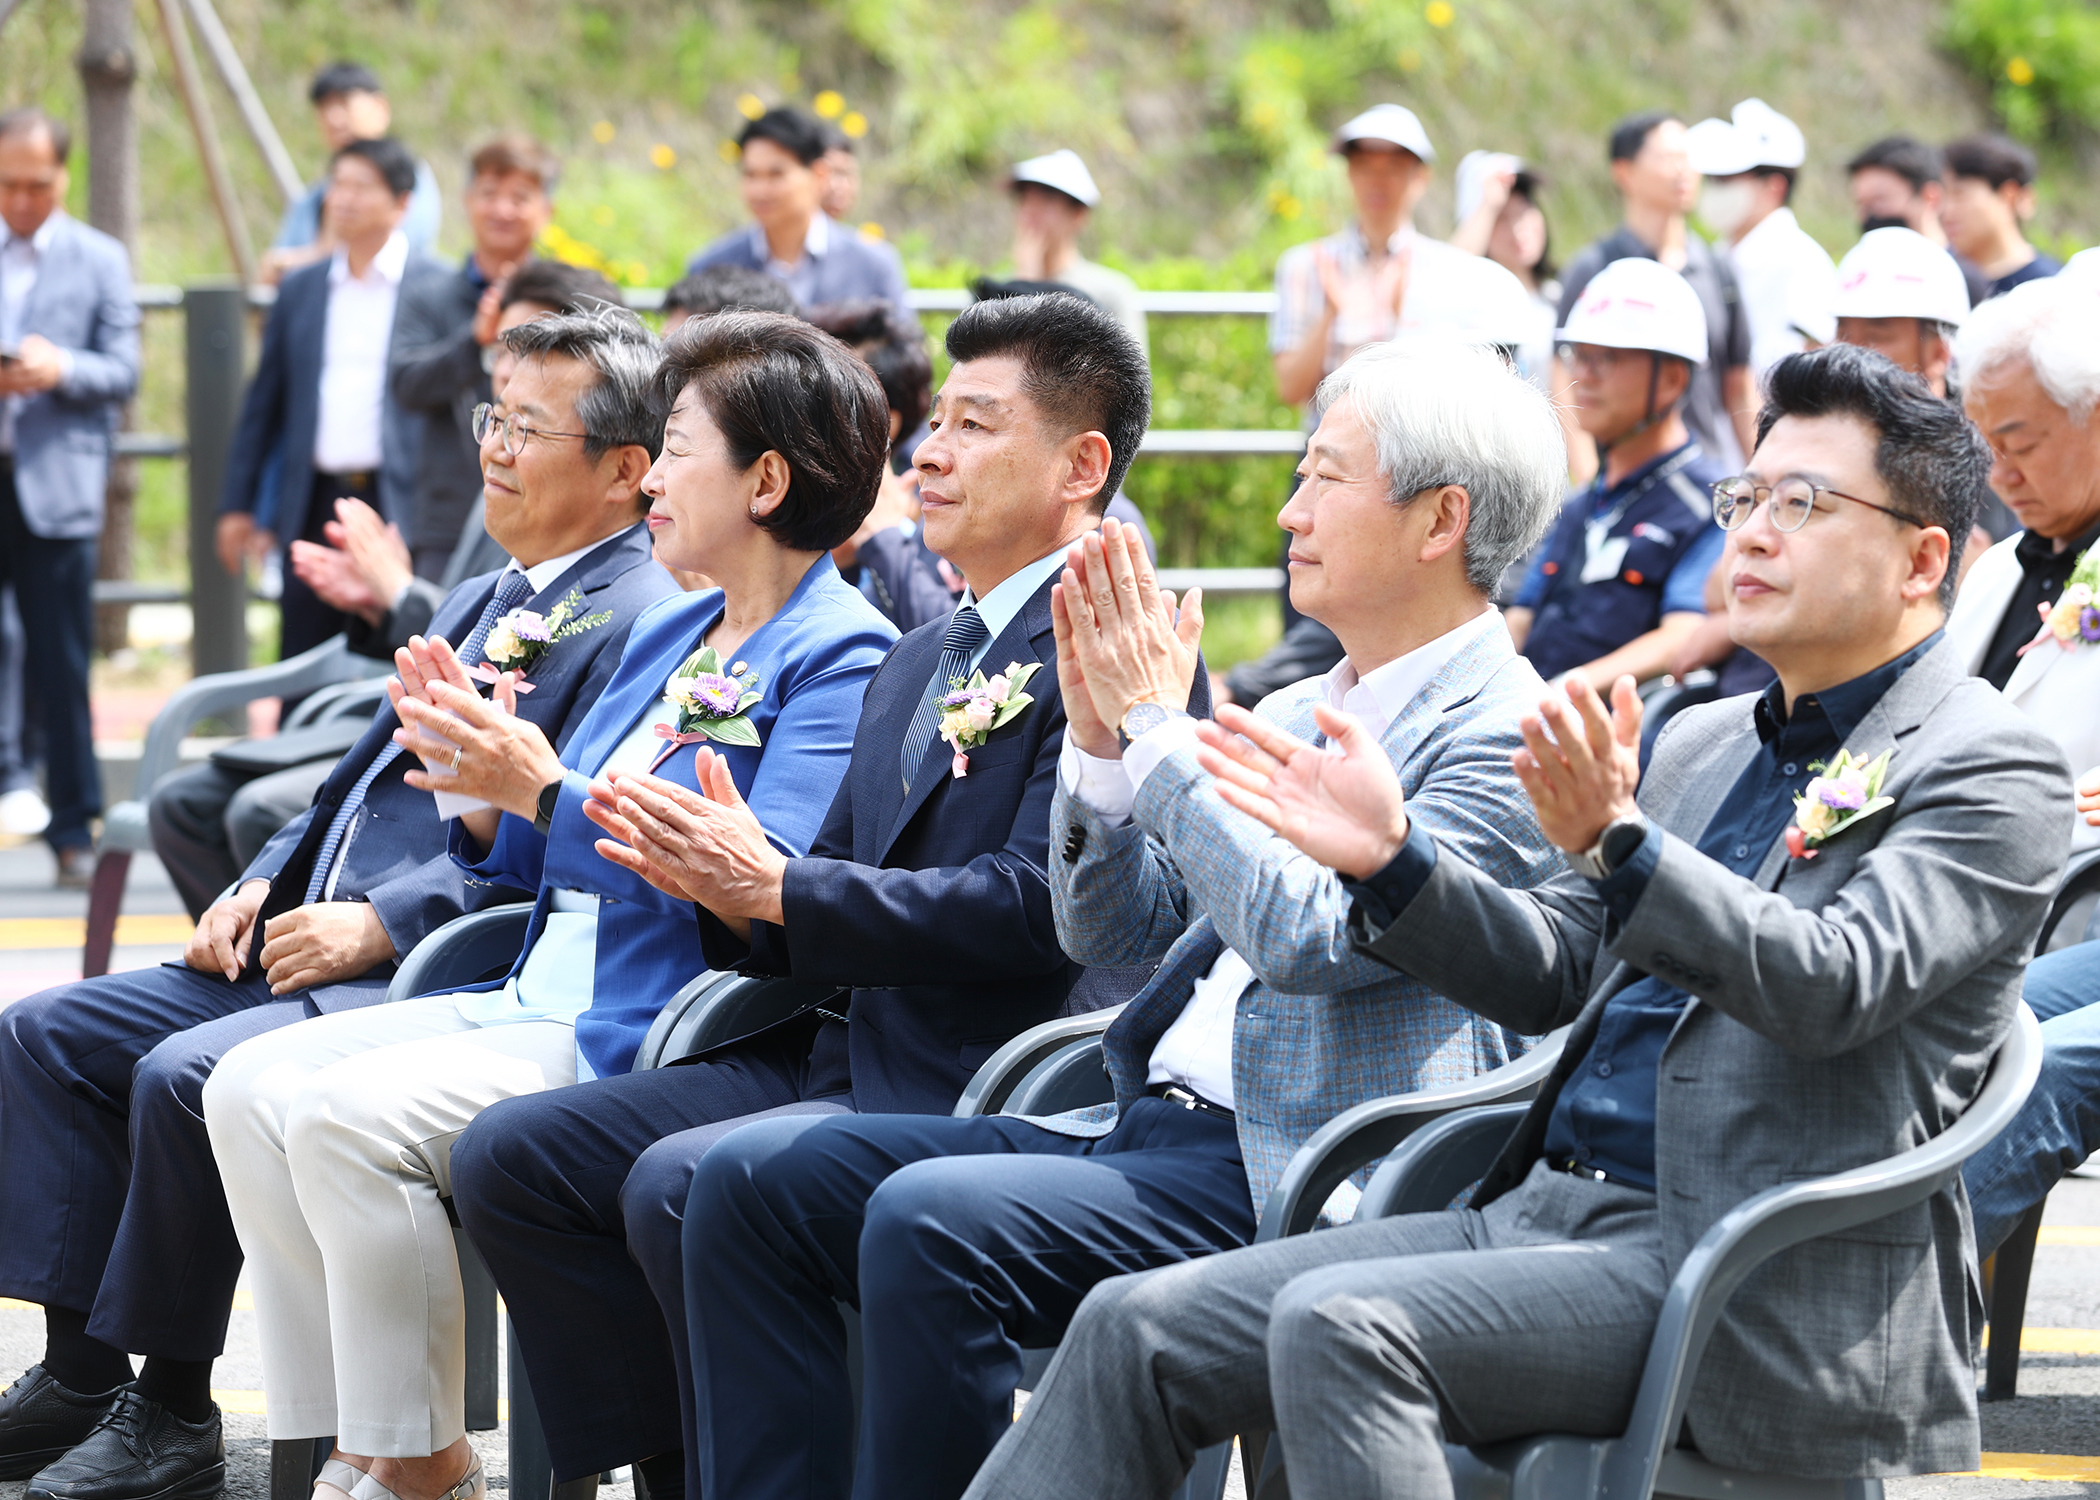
(1898, 273)
(1062, 170)
(2084, 265)
(1755, 135)
(1637, 303)
(1393, 124)
(1474, 169)
(1476, 300)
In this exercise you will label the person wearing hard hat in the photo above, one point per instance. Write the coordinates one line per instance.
(1750, 161)
(1054, 197)
(1901, 295)
(1622, 579)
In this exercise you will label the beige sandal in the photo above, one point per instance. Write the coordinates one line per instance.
(338, 1480)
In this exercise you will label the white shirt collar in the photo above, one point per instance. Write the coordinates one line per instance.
(541, 574)
(387, 265)
(40, 241)
(1381, 695)
(1401, 238)
(998, 608)
(815, 244)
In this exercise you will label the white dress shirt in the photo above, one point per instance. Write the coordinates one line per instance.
(20, 260)
(1196, 1051)
(353, 359)
(998, 608)
(1780, 269)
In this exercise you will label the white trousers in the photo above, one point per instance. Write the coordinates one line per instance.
(334, 1140)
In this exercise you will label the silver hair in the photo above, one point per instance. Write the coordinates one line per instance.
(1445, 411)
(620, 408)
(2054, 325)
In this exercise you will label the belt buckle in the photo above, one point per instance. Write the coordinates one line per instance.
(1175, 1094)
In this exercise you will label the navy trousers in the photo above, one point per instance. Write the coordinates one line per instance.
(113, 1199)
(54, 583)
(575, 1199)
(961, 1241)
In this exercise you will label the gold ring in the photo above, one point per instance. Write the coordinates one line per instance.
(457, 752)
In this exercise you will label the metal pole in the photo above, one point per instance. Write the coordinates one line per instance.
(235, 76)
(216, 319)
(178, 33)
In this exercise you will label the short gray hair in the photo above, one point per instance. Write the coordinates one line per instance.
(621, 407)
(1444, 411)
(2054, 325)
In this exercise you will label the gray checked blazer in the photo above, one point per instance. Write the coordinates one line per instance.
(1323, 1027)
(1844, 1009)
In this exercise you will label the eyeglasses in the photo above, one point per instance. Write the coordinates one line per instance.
(1793, 502)
(517, 432)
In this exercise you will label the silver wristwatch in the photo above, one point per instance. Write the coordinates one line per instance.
(1613, 848)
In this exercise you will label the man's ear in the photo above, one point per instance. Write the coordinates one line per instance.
(1086, 469)
(629, 463)
(1930, 552)
(1446, 511)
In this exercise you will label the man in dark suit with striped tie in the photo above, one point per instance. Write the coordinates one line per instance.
(115, 1222)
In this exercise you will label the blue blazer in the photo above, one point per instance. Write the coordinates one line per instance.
(814, 660)
(849, 267)
(282, 411)
(397, 858)
(82, 303)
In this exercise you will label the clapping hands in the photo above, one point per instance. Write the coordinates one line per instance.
(1120, 641)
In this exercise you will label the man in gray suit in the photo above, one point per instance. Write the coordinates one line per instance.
(1760, 989)
(69, 357)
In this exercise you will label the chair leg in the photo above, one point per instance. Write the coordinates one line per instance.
(295, 1463)
(105, 900)
(481, 1334)
(2013, 1265)
(531, 1469)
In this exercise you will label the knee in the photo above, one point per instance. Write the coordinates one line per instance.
(241, 1100)
(29, 1030)
(494, 1158)
(654, 1196)
(1320, 1321)
(745, 1174)
(167, 1086)
(932, 1212)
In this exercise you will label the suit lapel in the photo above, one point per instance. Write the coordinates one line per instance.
(47, 261)
(1991, 587)
(909, 671)
(2036, 665)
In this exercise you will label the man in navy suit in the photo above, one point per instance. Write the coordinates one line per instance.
(69, 357)
(116, 1222)
(925, 894)
(319, 422)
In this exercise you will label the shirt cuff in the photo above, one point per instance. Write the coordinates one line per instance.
(1103, 785)
(1382, 897)
(1142, 756)
(1622, 889)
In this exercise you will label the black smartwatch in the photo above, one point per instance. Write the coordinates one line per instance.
(543, 820)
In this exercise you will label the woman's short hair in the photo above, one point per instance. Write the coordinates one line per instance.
(1443, 411)
(894, 346)
(772, 383)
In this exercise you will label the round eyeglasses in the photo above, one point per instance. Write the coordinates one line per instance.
(517, 432)
(1793, 502)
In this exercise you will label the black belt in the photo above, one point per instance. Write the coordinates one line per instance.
(355, 479)
(1175, 1094)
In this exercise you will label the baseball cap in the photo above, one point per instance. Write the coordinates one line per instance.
(1062, 170)
(1898, 273)
(1755, 135)
(1638, 303)
(1392, 124)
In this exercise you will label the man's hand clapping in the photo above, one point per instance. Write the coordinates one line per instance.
(1583, 776)
(365, 566)
(1120, 631)
(1345, 809)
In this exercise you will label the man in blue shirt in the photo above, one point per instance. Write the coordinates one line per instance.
(1621, 582)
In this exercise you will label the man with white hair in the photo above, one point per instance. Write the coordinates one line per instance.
(1434, 467)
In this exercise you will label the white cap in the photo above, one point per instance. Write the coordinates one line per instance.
(1062, 170)
(1755, 135)
(1393, 124)
(1637, 303)
(1473, 172)
(1898, 273)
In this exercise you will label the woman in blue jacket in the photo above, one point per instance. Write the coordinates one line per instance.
(335, 1135)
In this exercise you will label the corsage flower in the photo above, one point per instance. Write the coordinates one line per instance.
(711, 704)
(970, 713)
(517, 641)
(1842, 792)
(2074, 619)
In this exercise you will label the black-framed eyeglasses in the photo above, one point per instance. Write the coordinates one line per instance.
(1793, 502)
(517, 432)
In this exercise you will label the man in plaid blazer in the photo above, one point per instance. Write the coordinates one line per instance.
(963, 1240)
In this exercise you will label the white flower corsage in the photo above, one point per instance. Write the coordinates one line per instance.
(711, 704)
(2074, 619)
(975, 708)
(517, 641)
(1843, 792)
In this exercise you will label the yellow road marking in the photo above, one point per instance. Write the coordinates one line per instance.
(2036, 1466)
(2035, 1340)
(2070, 1234)
(71, 932)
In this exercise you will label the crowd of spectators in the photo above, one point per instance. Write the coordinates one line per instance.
(734, 645)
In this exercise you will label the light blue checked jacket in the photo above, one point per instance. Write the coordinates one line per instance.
(1323, 1027)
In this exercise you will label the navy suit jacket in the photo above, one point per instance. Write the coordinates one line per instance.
(932, 906)
(282, 409)
(850, 266)
(397, 858)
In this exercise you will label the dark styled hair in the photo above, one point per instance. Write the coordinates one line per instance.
(515, 151)
(619, 409)
(340, 78)
(1992, 158)
(793, 131)
(890, 343)
(1531, 187)
(772, 383)
(389, 158)
(1631, 133)
(836, 139)
(1930, 457)
(720, 288)
(1077, 363)
(27, 119)
(561, 286)
(1789, 173)
(1908, 157)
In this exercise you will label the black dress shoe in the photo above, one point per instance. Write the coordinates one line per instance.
(40, 1420)
(139, 1451)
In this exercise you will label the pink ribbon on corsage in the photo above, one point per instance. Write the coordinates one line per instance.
(488, 674)
(672, 741)
(960, 766)
(1797, 844)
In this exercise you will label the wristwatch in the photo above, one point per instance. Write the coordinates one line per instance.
(1144, 717)
(543, 819)
(1613, 848)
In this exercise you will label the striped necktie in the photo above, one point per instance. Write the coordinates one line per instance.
(966, 636)
(512, 590)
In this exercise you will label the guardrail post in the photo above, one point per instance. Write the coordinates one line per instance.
(215, 315)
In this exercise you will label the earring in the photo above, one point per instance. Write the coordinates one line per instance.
(754, 513)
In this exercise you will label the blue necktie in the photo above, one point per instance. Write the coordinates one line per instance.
(512, 590)
(965, 638)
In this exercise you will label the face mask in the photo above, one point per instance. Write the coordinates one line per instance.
(1873, 222)
(1727, 205)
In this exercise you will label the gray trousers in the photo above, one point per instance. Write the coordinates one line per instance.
(1364, 1348)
